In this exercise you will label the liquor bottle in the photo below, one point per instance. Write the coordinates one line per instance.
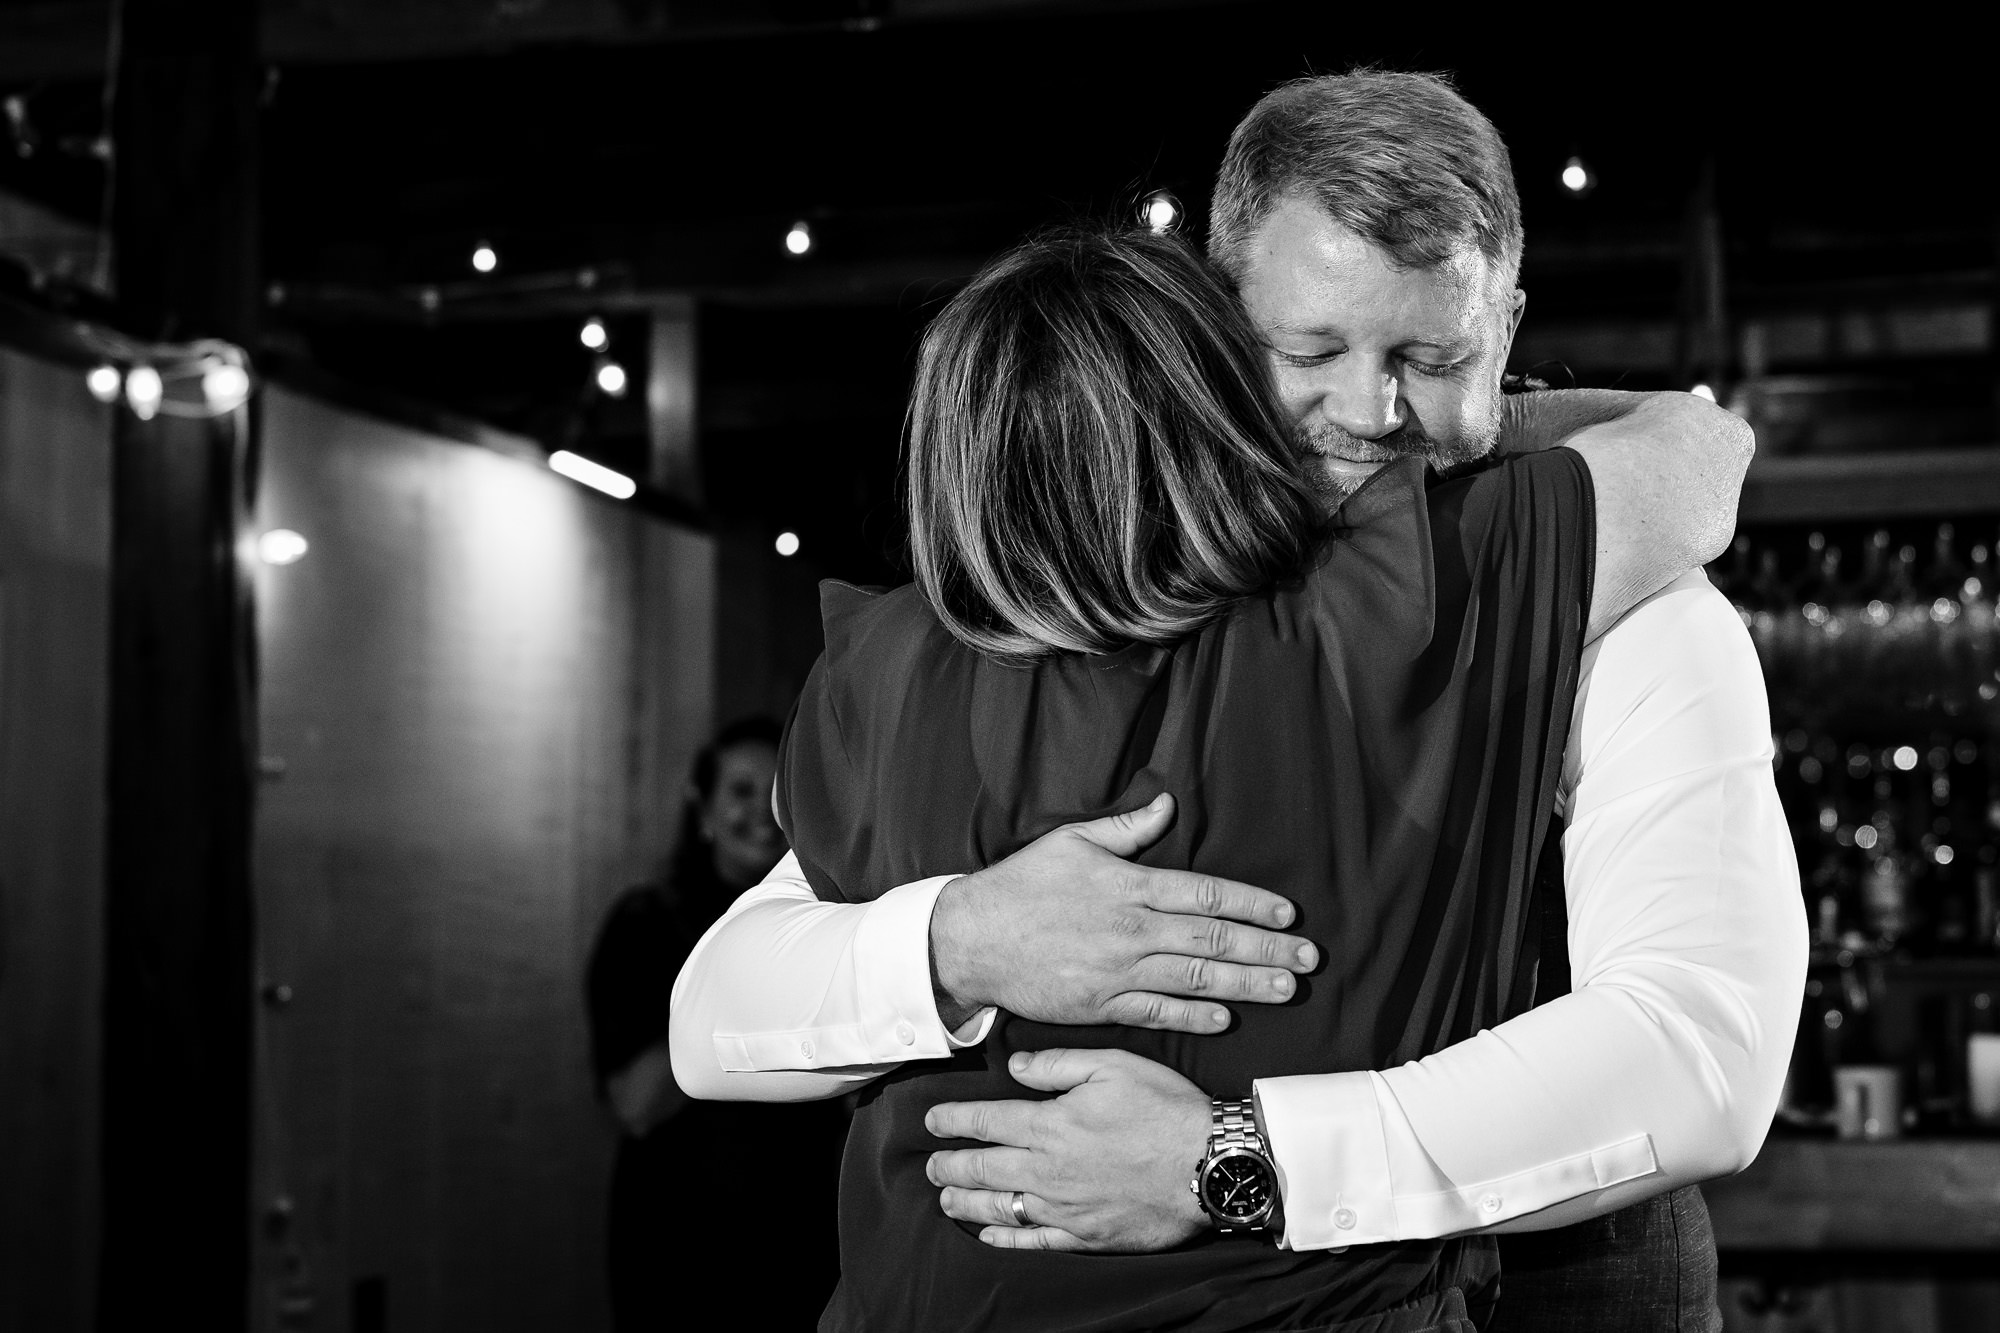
(1871, 587)
(1807, 1101)
(1763, 603)
(1939, 1102)
(1942, 842)
(1885, 893)
(1976, 626)
(1985, 909)
(1802, 638)
(1944, 576)
(1831, 890)
(1909, 650)
(1868, 1085)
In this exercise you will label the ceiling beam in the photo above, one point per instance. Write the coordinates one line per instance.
(62, 40)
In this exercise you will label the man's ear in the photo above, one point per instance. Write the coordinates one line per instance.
(1517, 301)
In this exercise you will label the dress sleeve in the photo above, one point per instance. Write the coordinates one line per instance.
(1524, 529)
(818, 796)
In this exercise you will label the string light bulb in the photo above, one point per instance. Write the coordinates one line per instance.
(1703, 391)
(1160, 212)
(799, 239)
(594, 335)
(787, 543)
(611, 378)
(485, 258)
(226, 386)
(143, 391)
(281, 546)
(1578, 178)
(104, 382)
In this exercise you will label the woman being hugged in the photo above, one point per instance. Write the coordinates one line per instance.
(1124, 589)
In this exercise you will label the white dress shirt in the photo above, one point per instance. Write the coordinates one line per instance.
(1687, 942)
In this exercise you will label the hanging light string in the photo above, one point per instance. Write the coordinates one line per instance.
(204, 379)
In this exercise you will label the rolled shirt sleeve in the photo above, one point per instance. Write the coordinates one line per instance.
(789, 998)
(1688, 949)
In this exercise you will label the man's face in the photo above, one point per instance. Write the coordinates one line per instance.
(1374, 361)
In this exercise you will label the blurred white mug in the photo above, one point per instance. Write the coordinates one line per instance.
(1868, 1101)
(1982, 1075)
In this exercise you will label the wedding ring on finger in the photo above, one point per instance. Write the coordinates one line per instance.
(1020, 1206)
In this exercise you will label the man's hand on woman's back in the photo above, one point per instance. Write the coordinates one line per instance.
(1067, 930)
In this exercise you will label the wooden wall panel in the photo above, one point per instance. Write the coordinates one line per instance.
(55, 574)
(480, 691)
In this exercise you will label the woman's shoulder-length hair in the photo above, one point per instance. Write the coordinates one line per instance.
(1096, 457)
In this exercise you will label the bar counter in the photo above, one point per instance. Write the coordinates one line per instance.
(1931, 1195)
(1823, 1236)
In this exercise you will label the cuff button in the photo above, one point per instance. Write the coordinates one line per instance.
(1344, 1218)
(807, 1049)
(1491, 1203)
(906, 1034)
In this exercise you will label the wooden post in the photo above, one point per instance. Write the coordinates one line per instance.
(670, 402)
(1704, 349)
(178, 949)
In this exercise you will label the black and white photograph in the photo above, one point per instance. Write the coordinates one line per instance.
(997, 666)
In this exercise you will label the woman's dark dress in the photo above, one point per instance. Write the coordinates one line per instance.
(1380, 742)
(690, 1199)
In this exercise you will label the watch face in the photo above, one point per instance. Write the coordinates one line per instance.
(1238, 1187)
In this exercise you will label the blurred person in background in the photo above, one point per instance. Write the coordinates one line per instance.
(676, 1157)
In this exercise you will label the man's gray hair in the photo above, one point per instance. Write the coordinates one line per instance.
(1399, 159)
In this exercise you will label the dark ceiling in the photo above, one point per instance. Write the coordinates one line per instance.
(613, 154)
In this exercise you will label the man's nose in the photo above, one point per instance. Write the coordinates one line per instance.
(1366, 403)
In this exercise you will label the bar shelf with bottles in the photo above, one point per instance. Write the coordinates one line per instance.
(1881, 650)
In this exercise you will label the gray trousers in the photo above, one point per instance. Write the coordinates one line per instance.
(1649, 1268)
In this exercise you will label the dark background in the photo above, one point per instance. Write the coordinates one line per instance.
(474, 701)
(617, 154)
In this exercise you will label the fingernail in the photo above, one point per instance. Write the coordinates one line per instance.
(1219, 1018)
(1285, 914)
(1157, 801)
(1018, 1061)
(1308, 956)
(928, 1126)
(1282, 983)
(930, 1170)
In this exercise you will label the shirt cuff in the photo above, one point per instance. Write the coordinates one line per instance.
(1352, 1171)
(892, 966)
(974, 1030)
(1333, 1168)
(894, 1015)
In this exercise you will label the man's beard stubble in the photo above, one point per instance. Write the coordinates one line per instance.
(1409, 440)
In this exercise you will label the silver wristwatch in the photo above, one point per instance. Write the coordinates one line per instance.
(1235, 1182)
